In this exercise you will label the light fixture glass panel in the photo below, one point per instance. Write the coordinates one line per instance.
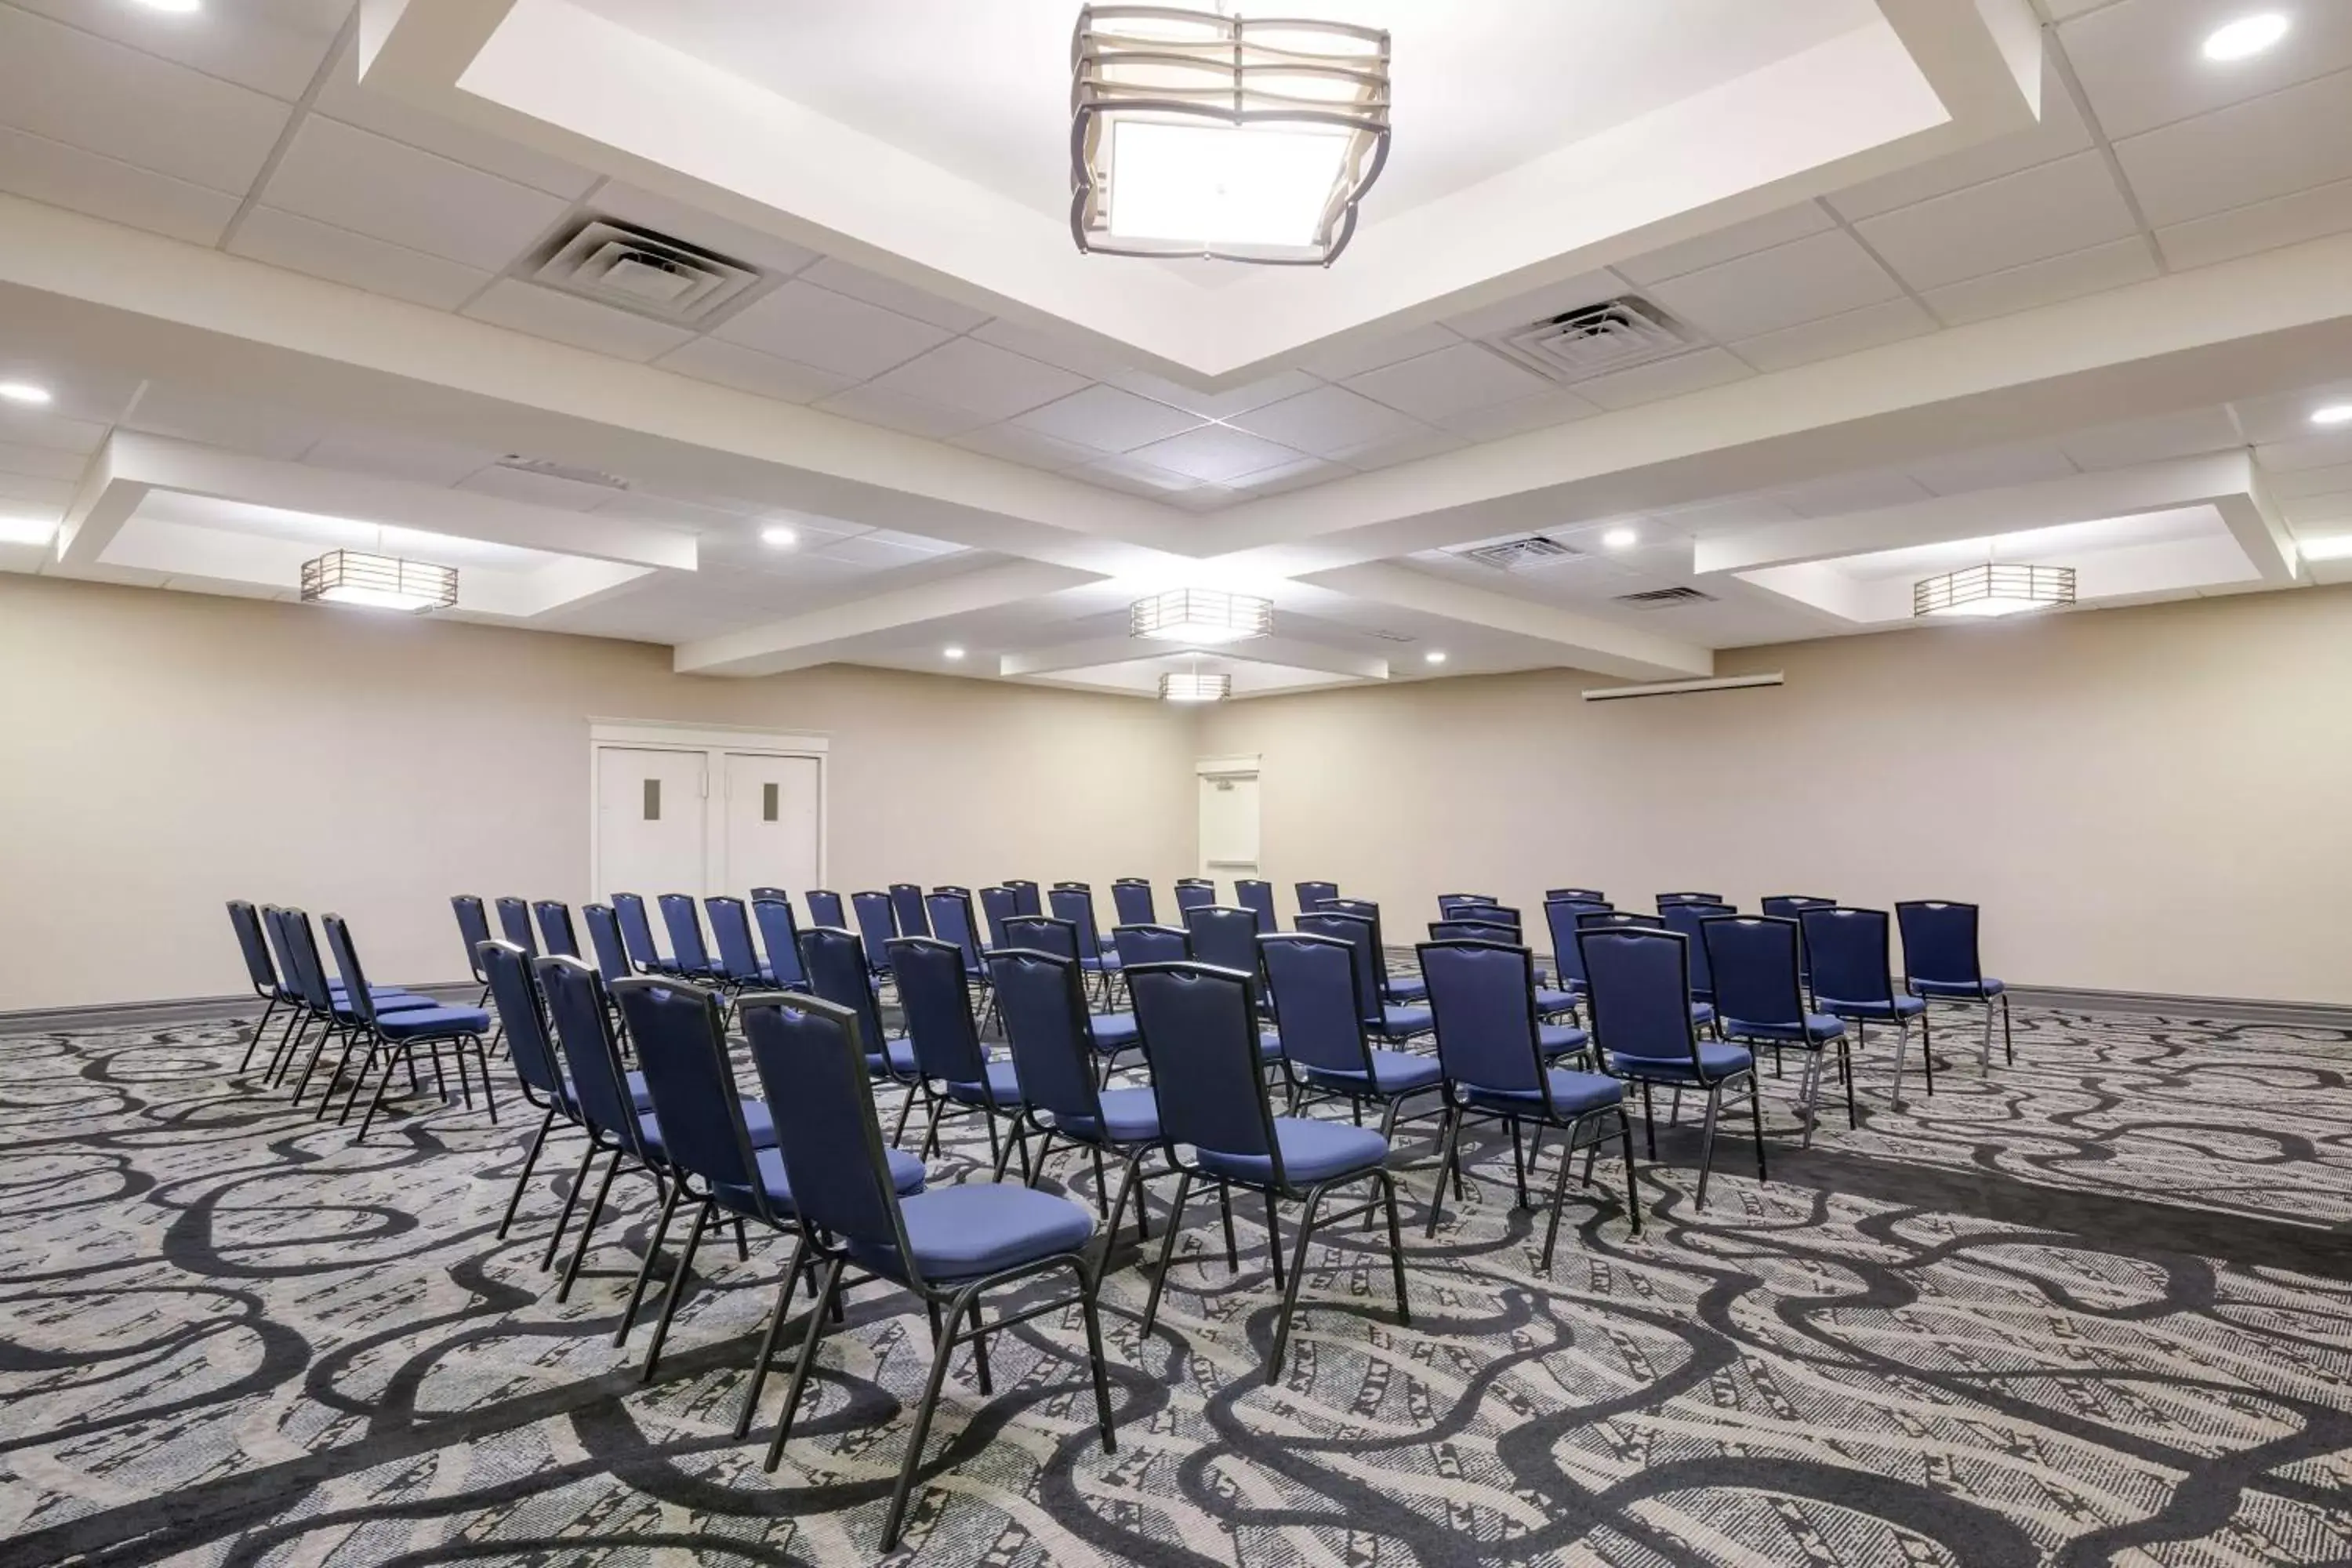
(1995, 588)
(1200, 616)
(1221, 185)
(378, 582)
(1192, 687)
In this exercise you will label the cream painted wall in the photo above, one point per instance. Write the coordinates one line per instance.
(2156, 799)
(162, 753)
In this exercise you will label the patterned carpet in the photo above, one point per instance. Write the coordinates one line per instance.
(2095, 1308)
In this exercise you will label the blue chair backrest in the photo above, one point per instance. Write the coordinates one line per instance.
(876, 924)
(1194, 894)
(780, 935)
(274, 923)
(514, 920)
(731, 927)
(472, 929)
(577, 1002)
(1041, 1001)
(1665, 900)
(1473, 930)
(523, 1017)
(1561, 915)
(254, 946)
(1224, 936)
(1042, 933)
(1486, 911)
(347, 964)
(936, 1003)
(636, 932)
(1482, 1000)
(761, 895)
(1640, 978)
(302, 950)
(1357, 932)
(1026, 901)
(682, 1050)
(1788, 906)
(1618, 919)
(1076, 905)
(1313, 981)
(1939, 941)
(1199, 1029)
(1754, 961)
(998, 905)
(1847, 951)
(1311, 895)
(826, 908)
(1448, 904)
(1257, 898)
(811, 1060)
(1131, 897)
(604, 937)
(1576, 895)
(555, 933)
(1688, 917)
(684, 923)
(906, 908)
(1153, 945)
(834, 962)
(950, 913)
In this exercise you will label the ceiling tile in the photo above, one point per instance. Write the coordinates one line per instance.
(1889, 321)
(344, 100)
(2059, 130)
(1403, 449)
(980, 378)
(1327, 420)
(38, 427)
(1108, 420)
(1032, 449)
(1222, 405)
(1839, 494)
(1139, 478)
(358, 181)
(1284, 478)
(1451, 381)
(2040, 283)
(1341, 360)
(1727, 244)
(2142, 62)
(1539, 304)
(671, 512)
(1496, 420)
(2183, 435)
(892, 295)
(748, 369)
(73, 87)
(436, 463)
(107, 188)
(539, 489)
(2248, 153)
(339, 255)
(33, 462)
(2260, 226)
(2327, 449)
(1096, 362)
(1667, 378)
(2051, 210)
(35, 491)
(275, 50)
(243, 424)
(583, 324)
(896, 411)
(2299, 484)
(736, 241)
(1821, 275)
(2286, 415)
(1214, 454)
(1991, 467)
(832, 332)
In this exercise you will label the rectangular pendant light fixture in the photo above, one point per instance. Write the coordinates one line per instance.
(1187, 687)
(1200, 616)
(378, 582)
(1995, 588)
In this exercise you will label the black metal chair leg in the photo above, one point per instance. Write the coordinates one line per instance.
(677, 1288)
(1845, 1071)
(538, 1140)
(375, 1104)
(1649, 1121)
(1558, 1196)
(254, 1040)
(1445, 1155)
(1706, 1143)
(913, 1461)
(1088, 1282)
(978, 1348)
(1633, 1193)
(1396, 1247)
(906, 1107)
(645, 1265)
(1290, 1289)
(2008, 1040)
(587, 1229)
(564, 1220)
(826, 1291)
(1274, 1237)
(1225, 1213)
(768, 1341)
(1167, 1249)
(1518, 1163)
(1756, 1113)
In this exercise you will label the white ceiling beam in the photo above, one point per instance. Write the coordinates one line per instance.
(2255, 521)
(817, 636)
(1289, 653)
(1582, 642)
(102, 503)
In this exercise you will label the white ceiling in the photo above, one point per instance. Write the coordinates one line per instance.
(993, 480)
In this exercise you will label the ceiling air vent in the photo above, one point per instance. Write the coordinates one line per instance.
(555, 470)
(1391, 636)
(1593, 339)
(1517, 554)
(649, 274)
(1665, 598)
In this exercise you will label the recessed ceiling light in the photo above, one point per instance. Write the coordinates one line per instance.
(779, 537)
(23, 392)
(953, 652)
(1619, 538)
(2334, 414)
(1436, 656)
(2246, 36)
(27, 531)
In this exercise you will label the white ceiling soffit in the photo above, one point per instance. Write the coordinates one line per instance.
(1288, 653)
(1865, 88)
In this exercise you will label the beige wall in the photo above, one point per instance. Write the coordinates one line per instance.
(2155, 799)
(162, 753)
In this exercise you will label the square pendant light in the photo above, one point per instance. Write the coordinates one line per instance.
(1200, 616)
(1187, 687)
(378, 582)
(1993, 589)
(1201, 135)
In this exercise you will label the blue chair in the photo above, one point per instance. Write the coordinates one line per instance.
(555, 932)
(1486, 911)
(950, 915)
(1257, 897)
(1688, 917)
(1074, 902)
(1665, 899)
(777, 894)
(473, 929)
(1195, 893)
(393, 1036)
(1642, 1021)
(1026, 901)
(1199, 1035)
(1449, 903)
(958, 1077)
(1494, 1068)
(1311, 895)
(1393, 988)
(539, 1073)
(1793, 906)
(638, 935)
(1131, 897)
(1391, 1023)
(906, 908)
(260, 972)
(838, 972)
(689, 954)
(738, 968)
(1475, 931)
(1111, 1035)
(1940, 963)
(950, 1247)
(1153, 945)
(998, 905)
(1314, 986)
(825, 909)
(327, 1003)
(1759, 998)
(779, 935)
(1224, 935)
(1578, 895)
(1853, 981)
(878, 922)
(604, 940)
(514, 923)
(1560, 915)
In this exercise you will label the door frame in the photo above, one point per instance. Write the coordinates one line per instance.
(712, 742)
(1237, 767)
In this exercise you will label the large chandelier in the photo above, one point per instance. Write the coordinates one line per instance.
(378, 582)
(1994, 588)
(1202, 135)
(1190, 686)
(1200, 616)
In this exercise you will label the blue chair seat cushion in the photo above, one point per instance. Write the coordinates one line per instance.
(1114, 1031)
(1702, 1014)
(1129, 1116)
(1971, 989)
(1816, 1026)
(973, 1229)
(1003, 1084)
(1717, 1061)
(1549, 1000)
(895, 1059)
(1109, 960)
(1312, 1151)
(1405, 988)
(1398, 1022)
(1559, 1040)
(1269, 1045)
(906, 1174)
(757, 1122)
(1901, 1007)
(432, 1023)
(1394, 1073)
(1572, 1094)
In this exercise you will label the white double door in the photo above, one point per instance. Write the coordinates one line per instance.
(703, 821)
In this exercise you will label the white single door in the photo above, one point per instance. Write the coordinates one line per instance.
(651, 811)
(772, 827)
(1228, 826)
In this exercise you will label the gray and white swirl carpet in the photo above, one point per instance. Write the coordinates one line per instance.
(2092, 1308)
